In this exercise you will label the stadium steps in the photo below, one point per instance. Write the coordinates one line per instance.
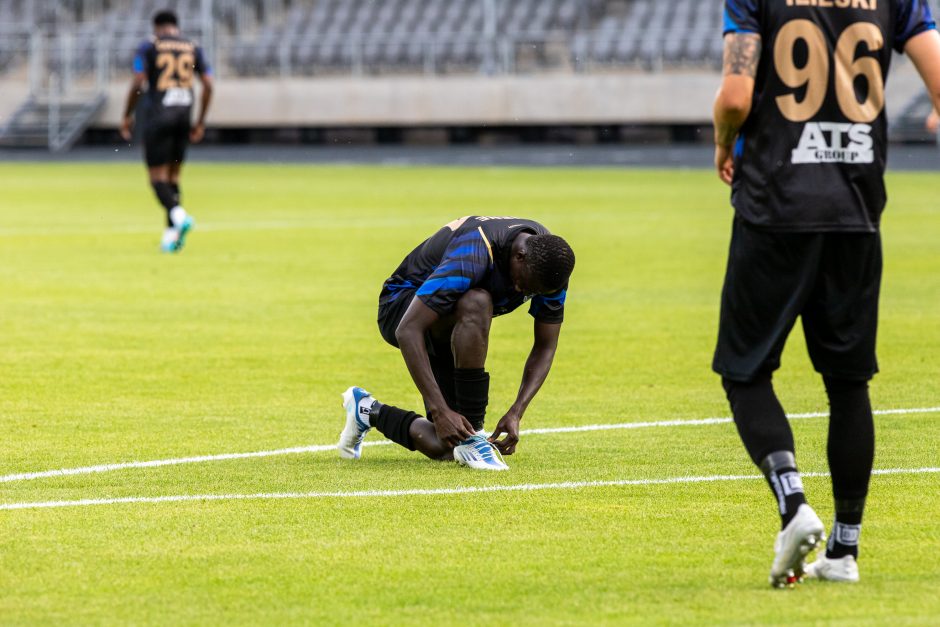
(29, 126)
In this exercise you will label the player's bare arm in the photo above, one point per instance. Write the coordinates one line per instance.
(733, 102)
(924, 51)
(537, 367)
(133, 95)
(451, 427)
(199, 128)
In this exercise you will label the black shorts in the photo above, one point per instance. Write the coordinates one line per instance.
(831, 280)
(166, 136)
(392, 308)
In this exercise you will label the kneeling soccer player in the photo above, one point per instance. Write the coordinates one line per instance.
(437, 308)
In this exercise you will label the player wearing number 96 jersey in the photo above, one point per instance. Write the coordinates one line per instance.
(800, 135)
(168, 64)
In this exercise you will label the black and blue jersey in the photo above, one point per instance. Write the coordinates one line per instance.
(170, 63)
(811, 154)
(471, 252)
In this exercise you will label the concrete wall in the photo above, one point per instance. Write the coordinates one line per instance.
(12, 95)
(567, 99)
(621, 98)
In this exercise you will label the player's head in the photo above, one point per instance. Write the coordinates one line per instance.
(542, 265)
(165, 20)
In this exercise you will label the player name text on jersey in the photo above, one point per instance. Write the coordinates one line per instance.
(868, 5)
(172, 45)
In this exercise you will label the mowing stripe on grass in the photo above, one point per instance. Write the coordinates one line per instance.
(316, 448)
(525, 487)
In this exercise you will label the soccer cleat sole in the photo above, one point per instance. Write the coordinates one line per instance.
(797, 574)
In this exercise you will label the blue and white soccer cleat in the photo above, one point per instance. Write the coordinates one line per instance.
(804, 533)
(187, 225)
(357, 403)
(477, 452)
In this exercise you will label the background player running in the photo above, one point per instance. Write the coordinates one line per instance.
(800, 134)
(167, 63)
(437, 308)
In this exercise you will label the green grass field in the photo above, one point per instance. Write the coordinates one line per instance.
(111, 352)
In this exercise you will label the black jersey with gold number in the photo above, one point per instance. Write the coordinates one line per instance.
(171, 63)
(811, 154)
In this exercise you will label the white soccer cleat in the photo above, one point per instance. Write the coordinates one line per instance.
(477, 452)
(355, 400)
(804, 533)
(843, 569)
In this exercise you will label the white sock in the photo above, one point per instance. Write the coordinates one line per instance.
(169, 236)
(365, 409)
(177, 215)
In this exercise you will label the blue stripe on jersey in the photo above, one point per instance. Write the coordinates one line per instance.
(739, 146)
(552, 301)
(913, 18)
(459, 283)
(140, 57)
(740, 16)
(463, 251)
(730, 25)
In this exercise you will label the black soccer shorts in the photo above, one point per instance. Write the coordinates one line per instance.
(166, 137)
(832, 280)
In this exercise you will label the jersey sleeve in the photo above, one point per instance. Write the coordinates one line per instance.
(140, 57)
(742, 16)
(549, 308)
(202, 65)
(913, 17)
(465, 263)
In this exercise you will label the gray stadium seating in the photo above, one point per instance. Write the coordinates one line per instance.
(315, 37)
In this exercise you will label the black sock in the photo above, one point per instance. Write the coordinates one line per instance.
(393, 423)
(784, 479)
(176, 193)
(472, 388)
(164, 193)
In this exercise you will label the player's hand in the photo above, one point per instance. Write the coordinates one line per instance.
(724, 163)
(932, 121)
(508, 427)
(196, 133)
(127, 126)
(452, 428)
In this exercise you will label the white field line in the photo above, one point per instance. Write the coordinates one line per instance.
(316, 448)
(525, 487)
